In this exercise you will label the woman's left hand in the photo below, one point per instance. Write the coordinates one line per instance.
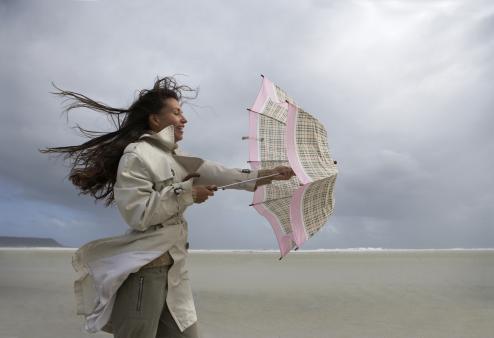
(282, 173)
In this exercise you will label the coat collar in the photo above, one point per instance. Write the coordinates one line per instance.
(165, 137)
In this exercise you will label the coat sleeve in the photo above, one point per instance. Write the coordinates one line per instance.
(217, 174)
(139, 203)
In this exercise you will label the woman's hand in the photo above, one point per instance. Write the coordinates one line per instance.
(282, 173)
(200, 193)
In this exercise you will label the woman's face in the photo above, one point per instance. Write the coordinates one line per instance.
(170, 114)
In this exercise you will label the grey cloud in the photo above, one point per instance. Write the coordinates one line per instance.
(408, 116)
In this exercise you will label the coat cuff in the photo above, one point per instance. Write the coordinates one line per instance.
(250, 186)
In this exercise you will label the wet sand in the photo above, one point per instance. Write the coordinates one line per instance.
(319, 294)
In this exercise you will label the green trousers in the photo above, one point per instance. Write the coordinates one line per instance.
(140, 310)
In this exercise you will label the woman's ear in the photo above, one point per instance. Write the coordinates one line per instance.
(153, 121)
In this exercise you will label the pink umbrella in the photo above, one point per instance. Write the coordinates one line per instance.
(281, 133)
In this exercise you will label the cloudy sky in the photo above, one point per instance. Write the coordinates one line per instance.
(404, 88)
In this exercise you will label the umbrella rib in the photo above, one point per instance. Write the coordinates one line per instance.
(256, 112)
(274, 199)
(253, 138)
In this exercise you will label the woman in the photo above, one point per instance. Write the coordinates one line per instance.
(136, 284)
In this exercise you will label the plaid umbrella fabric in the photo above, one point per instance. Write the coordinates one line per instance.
(281, 133)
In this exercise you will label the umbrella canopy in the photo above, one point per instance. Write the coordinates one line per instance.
(281, 133)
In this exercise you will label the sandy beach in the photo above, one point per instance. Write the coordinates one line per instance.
(308, 294)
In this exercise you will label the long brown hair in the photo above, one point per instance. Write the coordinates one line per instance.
(95, 162)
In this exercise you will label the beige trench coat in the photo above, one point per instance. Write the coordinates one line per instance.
(151, 198)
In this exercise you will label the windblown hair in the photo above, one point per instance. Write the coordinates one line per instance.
(94, 163)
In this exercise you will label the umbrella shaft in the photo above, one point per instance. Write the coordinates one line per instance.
(250, 180)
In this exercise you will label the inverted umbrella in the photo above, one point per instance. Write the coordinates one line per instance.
(281, 133)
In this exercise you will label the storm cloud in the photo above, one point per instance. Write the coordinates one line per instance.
(404, 89)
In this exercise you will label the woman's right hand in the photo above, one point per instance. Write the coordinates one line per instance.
(201, 193)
